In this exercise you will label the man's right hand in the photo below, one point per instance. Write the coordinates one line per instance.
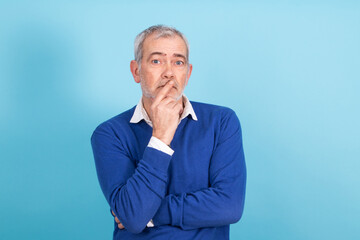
(165, 114)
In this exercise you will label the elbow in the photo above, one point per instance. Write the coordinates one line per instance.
(234, 215)
(238, 211)
(238, 202)
(129, 218)
(235, 212)
(134, 219)
(134, 228)
(132, 223)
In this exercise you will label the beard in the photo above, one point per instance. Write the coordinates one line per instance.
(146, 91)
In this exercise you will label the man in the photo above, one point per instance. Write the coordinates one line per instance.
(170, 168)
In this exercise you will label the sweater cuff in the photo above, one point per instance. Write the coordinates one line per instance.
(176, 209)
(157, 159)
(170, 211)
(162, 216)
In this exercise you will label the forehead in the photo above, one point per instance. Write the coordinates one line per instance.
(167, 45)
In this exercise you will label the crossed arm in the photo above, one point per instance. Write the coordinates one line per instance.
(137, 194)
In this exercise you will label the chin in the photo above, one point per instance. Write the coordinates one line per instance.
(176, 96)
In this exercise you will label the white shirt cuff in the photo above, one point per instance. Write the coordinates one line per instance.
(160, 145)
(150, 223)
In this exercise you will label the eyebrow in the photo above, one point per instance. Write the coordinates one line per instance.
(160, 53)
(179, 55)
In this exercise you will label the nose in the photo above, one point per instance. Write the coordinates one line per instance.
(168, 72)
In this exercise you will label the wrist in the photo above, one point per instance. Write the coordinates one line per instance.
(164, 139)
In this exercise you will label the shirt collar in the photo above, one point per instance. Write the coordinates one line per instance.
(140, 113)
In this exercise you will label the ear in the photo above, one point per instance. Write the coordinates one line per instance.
(188, 74)
(134, 68)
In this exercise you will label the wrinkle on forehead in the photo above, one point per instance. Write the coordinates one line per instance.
(164, 54)
(157, 36)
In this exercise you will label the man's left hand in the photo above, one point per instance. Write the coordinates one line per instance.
(118, 221)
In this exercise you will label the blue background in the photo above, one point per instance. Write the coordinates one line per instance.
(290, 70)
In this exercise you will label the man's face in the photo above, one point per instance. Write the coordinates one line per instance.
(164, 59)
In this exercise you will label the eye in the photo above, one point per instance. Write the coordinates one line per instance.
(179, 63)
(155, 61)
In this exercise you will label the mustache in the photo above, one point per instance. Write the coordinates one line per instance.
(164, 82)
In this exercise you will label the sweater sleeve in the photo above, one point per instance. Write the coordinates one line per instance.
(133, 192)
(223, 202)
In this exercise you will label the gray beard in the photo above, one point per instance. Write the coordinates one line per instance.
(148, 94)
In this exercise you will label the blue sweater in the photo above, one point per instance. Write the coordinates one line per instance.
(194, 194)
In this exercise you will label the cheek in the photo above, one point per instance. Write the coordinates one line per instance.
(183, 80)
(147, 80)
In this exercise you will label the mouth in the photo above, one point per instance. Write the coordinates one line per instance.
(164, 86)
(164, 82)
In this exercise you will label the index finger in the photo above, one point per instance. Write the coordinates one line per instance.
(162, 94)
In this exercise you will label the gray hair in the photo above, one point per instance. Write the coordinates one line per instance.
(160, 31)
